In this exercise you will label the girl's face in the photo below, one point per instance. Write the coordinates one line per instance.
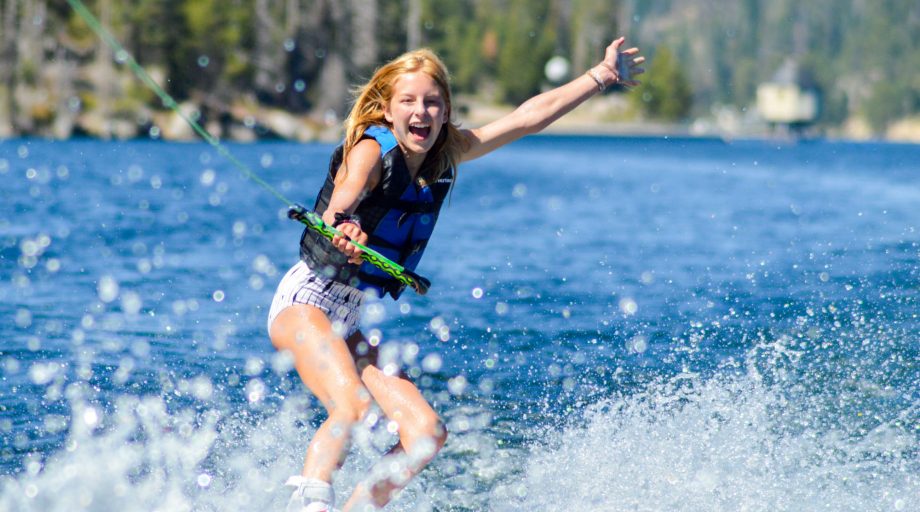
(417, 111)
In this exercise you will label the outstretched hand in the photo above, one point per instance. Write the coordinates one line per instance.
(623, 64)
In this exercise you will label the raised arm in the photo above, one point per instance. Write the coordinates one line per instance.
(542, 110)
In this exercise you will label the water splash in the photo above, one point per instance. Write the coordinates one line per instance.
(732, 441)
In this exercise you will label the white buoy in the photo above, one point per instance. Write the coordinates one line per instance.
(556, 69)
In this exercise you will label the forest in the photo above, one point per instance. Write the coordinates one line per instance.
(286, 68)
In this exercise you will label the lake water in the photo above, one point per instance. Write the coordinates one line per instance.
(614, 324)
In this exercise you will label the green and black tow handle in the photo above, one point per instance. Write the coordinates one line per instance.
(313, 221)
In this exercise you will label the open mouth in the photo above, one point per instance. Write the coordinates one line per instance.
(420, 131)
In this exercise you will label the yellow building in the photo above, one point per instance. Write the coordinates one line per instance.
(786, 99)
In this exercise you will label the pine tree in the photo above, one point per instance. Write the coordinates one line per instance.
(665, 92)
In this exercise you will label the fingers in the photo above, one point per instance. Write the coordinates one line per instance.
(629, 66)
(632, 61)
(351, 232)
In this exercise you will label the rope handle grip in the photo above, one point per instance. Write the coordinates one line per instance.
(313, 221)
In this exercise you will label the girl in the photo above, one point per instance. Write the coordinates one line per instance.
(384, 189)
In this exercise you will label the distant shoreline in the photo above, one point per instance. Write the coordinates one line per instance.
(593, 131)
(602, 116)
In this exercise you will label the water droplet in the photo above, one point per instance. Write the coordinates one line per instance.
(179, 308)
(208, 177)
(282, 362)
(266, 160)
(202, 388)
(628, 306)
(91, 417)
(218, 295)
(255, 391)
(432, 363)
(29, 247)
(638, 344)
(254, 366)
(374, 313)
(477, 293)
(43, 373)
(23, 318)
(457, 385)
(239, 229)
(144, 266)
(108, 289)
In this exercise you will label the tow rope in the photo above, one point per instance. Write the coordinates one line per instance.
(295, 211)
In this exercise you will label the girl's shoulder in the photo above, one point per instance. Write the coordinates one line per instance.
(382, 135)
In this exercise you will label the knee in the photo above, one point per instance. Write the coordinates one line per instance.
(426, 439)
(439, 434)
(350, 410)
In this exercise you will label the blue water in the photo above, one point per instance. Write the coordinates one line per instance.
(614, 324)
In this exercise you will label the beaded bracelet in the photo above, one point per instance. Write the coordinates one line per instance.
(597, 79)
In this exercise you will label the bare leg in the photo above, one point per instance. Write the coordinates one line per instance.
(325, 364)
(421, 434)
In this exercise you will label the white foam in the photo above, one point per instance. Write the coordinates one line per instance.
(144, 457)
(727, 443)
(738, 440)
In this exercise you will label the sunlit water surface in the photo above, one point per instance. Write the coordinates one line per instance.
(615, 324)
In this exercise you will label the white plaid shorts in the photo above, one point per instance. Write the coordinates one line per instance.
(340, 302)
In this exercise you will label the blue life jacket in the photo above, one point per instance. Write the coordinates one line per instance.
(398, 215)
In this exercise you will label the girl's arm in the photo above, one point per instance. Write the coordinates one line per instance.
(540, 111)
(360, 173)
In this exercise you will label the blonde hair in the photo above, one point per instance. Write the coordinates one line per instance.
(375, 95)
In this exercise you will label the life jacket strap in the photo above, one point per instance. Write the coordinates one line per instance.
(388, 285)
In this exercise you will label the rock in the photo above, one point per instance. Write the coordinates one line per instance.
(92, 123)
(173, 127)
(905, 130)
(857, 128)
